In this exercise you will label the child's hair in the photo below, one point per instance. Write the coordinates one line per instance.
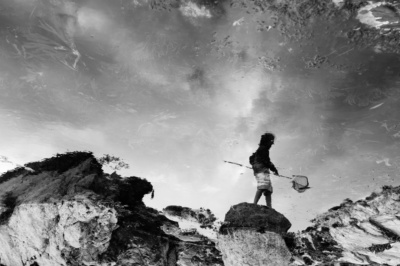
(267, 139)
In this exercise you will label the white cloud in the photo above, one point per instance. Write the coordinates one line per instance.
(366, 16)
(238, 22)
(190, 9)
(90, 19)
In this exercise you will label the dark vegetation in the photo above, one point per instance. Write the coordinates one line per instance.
(109, 159)
(9, 202)
(12, 173)
(63, 162)
(132, 190)
(128, 191)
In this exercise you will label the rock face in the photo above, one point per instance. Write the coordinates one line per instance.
(198, 228)
(201, 221)
(366, 232)
(252, 235)
(66, 211)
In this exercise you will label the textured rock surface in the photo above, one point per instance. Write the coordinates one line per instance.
(365, 232)
(198, 229)
(68, 212)
(249, 247)
(54, 233)
(252, 235)
(201, 221)
(258, 217)
(58, 219)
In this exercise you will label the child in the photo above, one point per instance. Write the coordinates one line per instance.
(262, 165)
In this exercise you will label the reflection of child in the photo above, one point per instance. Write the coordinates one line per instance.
(261, 166)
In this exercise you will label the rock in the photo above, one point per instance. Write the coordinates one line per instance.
(204, 217)
(387, 223)
(252, 235)
(57, 218)
(68, 212)
(365, 232)
(258, 217)
(198, 230)
(201, 221)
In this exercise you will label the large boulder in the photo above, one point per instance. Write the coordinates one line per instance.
(258, 217)
(252, 235)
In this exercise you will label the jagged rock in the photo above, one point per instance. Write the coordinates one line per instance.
(197, 229)
(204, 217)
(66, 211)
(252, 235)
(365, 232)
(57, 218)
(258, 217)
(388, 223)
(201, 221)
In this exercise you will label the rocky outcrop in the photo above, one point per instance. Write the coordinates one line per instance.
(65, 211)
(252, 235)
(365, 232)
(201, 221)
(198, 227)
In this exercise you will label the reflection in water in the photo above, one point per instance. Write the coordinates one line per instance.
(174, 88)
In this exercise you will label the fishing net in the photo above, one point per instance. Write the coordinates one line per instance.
(300, 183)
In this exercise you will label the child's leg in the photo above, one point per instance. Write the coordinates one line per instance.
(268, 197)
(258, 196)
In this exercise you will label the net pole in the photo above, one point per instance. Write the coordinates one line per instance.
(291, 178)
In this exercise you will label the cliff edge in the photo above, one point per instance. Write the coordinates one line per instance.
(65, 211)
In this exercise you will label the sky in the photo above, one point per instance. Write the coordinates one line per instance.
(174, 88)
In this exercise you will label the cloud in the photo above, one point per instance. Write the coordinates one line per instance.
(238, 22)
(367, 16)
(192, 10)
(91, 19)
